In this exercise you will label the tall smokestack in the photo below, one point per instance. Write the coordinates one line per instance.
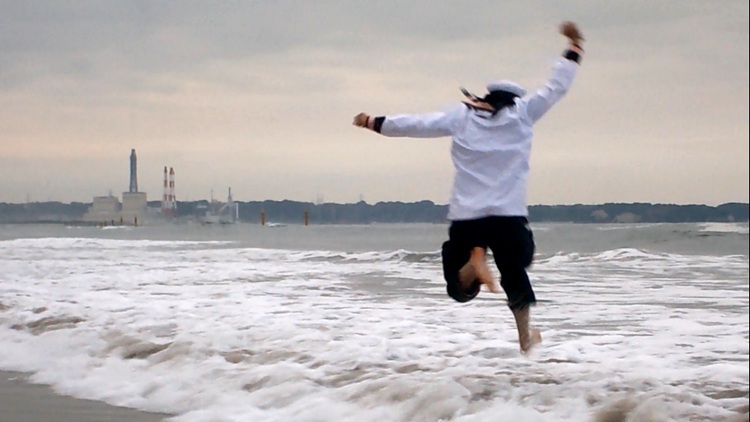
(172, 197)
(168, 202)
(165, 194)
(133, 172)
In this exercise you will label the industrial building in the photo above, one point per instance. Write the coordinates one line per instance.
(133, 209)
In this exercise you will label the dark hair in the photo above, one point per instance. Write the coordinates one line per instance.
(500, 99)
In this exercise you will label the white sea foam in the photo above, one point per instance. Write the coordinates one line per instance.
(741, 228)
(215, 331)
(627, 226)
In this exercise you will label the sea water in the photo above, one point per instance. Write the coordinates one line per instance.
(351, 323)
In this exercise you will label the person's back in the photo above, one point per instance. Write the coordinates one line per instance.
(490, 154)
(492, 148)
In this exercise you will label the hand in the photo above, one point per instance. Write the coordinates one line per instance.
(571, 31)
(361, 120)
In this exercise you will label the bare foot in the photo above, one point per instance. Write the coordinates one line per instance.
(530, 340)
(476, 269)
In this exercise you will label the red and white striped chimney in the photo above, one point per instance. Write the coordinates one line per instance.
(165, 196)
(172, 197)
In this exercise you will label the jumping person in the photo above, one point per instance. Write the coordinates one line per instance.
(491, 147)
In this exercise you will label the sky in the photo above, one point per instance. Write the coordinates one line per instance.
(259, 96)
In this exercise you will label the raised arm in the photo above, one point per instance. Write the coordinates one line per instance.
(428, 125)
(563, 74)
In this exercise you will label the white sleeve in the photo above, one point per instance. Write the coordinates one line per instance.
(541, 101)
(429, 125)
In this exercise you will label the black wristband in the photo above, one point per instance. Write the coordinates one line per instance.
(378, 123)
(573, 55)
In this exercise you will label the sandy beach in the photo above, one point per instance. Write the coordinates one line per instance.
(21, 401)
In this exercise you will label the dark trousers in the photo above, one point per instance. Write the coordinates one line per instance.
(512, 244)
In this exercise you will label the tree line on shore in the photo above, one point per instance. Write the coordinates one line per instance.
(293, 212)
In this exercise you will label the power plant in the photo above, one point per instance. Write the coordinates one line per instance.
(133, 210)
(218, 212)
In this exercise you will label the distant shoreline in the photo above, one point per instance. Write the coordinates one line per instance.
(295, 212)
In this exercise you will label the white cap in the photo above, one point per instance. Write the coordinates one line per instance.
(507, 86)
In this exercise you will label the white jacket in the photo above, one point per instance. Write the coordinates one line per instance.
(490, 153)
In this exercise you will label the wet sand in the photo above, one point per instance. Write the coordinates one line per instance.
(21, 401)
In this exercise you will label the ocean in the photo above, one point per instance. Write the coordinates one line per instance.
(245, 323)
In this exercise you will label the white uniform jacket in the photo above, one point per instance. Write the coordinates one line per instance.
(490, 153)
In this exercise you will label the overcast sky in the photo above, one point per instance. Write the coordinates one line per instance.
(259, 96)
